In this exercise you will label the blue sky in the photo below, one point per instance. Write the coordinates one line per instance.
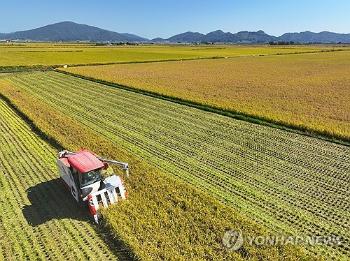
(153, 18)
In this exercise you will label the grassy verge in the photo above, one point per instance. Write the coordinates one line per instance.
(164, 218)
(25, 68)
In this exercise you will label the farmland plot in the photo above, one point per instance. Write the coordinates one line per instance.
(141, 221)
(55, 54)
(158, 202)
(308, 91)
(38, 218)
(287, 182)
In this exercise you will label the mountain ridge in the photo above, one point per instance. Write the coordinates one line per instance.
(258, 37)
(70, 31)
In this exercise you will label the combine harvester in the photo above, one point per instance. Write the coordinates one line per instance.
(82, 174)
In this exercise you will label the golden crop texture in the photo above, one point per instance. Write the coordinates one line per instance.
(60, 54)
(269, 175)
(163, 218)
(308, 91)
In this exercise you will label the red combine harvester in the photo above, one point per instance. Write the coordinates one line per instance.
(82, 174)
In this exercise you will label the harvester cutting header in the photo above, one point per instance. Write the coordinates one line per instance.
(82, 174)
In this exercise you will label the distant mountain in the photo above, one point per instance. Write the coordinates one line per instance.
(219, 36)
(255, 37)
(69, 31)
(310, 37)
(186, 37)
(158, 40)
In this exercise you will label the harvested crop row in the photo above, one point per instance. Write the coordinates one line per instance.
(285, 181)
(38, 220)
(308, 91)
(163, 218)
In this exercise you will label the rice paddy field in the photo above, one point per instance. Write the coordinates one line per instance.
(307, 91)
(157, 203)
(38, 219)
(59, 54)
(282, 181)
(195, 173)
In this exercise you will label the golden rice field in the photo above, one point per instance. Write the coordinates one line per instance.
(194, 174)
(289, 183)
(163, 219)
(59, 54)
(310, 91)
